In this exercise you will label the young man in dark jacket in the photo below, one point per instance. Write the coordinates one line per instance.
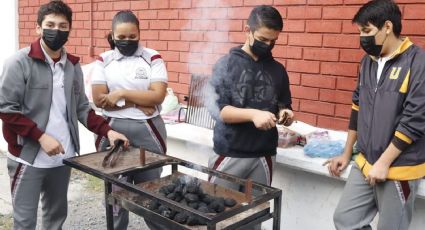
(388, 122)
(42, 100)
(252, 95)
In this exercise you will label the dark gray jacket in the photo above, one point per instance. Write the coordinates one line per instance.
(392, 110)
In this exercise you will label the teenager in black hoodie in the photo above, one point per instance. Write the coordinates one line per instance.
(252, 95)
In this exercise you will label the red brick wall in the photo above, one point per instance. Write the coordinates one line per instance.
(319, 45)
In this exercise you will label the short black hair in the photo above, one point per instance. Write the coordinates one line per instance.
(265, 16)
(124, 16)
(377, 12)
(54, 7)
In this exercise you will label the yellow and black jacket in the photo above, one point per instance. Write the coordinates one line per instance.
(392, 110)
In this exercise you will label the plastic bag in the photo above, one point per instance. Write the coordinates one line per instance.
(170, 102)
(174, 116)
(324, 148)
(288, 138)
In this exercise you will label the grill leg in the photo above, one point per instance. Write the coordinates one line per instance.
(173, 168)
(109, 211)
(276, 212)
(211, 226)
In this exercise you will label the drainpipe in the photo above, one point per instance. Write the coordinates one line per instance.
(91, 51)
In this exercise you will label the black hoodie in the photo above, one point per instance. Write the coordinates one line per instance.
(242, 82)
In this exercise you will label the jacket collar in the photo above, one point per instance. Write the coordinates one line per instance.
(403, 47)
(36, 52)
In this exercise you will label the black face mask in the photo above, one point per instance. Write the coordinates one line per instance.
(261, 49)
(127, 47)
(55, 39)
(369, 45)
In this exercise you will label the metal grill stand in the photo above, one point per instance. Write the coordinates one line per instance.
(252, 207)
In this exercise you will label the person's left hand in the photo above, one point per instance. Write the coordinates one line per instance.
(113, 97)
(377, 174)
(114, 135)
(286, 117)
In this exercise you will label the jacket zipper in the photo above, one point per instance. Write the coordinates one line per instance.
(380, 82)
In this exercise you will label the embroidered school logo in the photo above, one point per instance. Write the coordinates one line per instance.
(141, 73)
(395, 72)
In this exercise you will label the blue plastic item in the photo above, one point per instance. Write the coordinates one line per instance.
(323, 148)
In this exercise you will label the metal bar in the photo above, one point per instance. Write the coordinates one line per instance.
(174, 168)
(248, 189)
(108, 207)
(211, 226)
(277, 211)
(256, 218)
(142, 156)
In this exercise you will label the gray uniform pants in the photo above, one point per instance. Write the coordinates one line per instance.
(360, 203)
(28, 184)
(258, 169)
(148, 134)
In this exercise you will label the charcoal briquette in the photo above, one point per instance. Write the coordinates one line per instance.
(202, 221)
(193, 205)
(169, 214)
(229, 202)
(201, 193)
(203, 209)
(171, 188)
(220, 200)
(180, 217)
(192, 220)
(163, 190)
(162, 208)
(152, 205)
(183, 202)
(203, 204)
(178, 188)
(191, 197)
(207, 199)
(220, 208)
(213, 206)
(178, 197)
(171, 196)
(217, 206)
(192, 188)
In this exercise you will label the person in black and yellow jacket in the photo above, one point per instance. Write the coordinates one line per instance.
(388, 122)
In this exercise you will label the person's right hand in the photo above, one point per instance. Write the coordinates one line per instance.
(50, 145)
(337, 164)
(264, 120)
(148, 111)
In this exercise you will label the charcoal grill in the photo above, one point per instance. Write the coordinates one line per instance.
(253, 206)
